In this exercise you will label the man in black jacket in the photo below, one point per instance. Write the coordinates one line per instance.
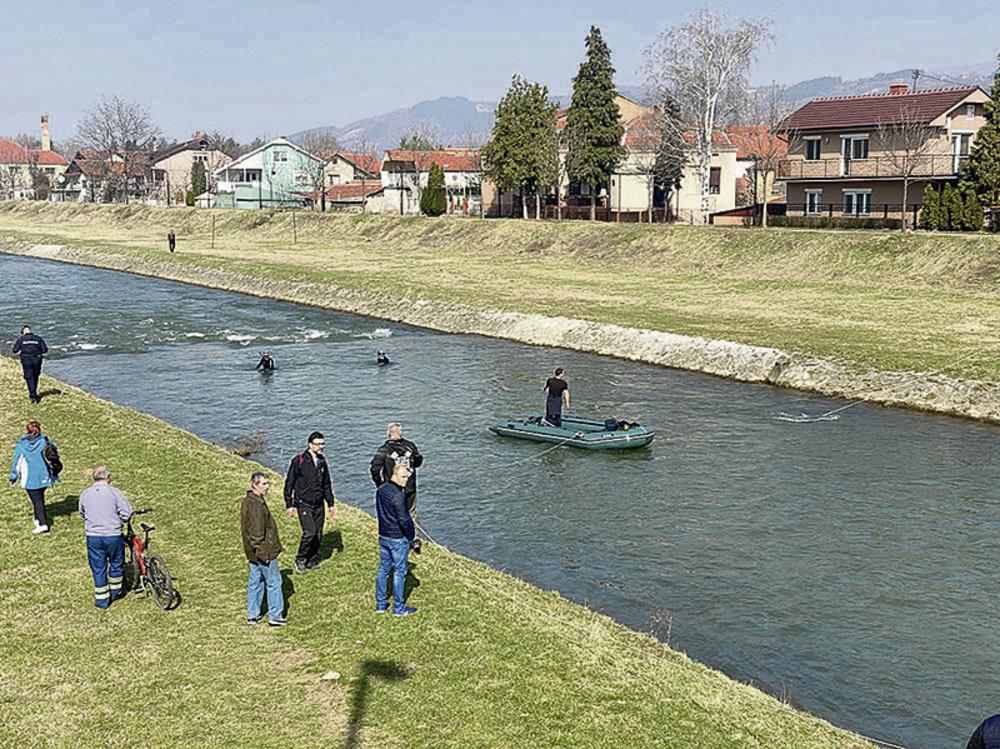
(397, 451)
(307, 486)
(30, 348)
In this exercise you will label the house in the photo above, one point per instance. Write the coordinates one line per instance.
(25, 173)
(404, 175)
(847, 156)
(343, 166)
(98, 177)
(171, 168)
(756, 180)
(279, 174)
(362, 196)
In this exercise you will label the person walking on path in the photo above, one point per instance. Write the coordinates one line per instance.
(307, 487)
(30, 469)
(395, 451)
(104, 509)
(986, 735)
(262, 547)
(30, 348)
(171, 240)
(557, 390)
(395, 534)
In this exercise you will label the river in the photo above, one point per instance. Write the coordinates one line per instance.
(846, 566)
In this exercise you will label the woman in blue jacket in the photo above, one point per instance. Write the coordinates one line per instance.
(30, 470)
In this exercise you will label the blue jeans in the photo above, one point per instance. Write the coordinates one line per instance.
(106, 555)
(262, 574)
(392, 554)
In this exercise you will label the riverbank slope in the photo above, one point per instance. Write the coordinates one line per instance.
(488, 660)
(903, 320)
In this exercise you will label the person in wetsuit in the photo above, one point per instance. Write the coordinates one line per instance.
(557, 393)
(266, 363)
(382, 359)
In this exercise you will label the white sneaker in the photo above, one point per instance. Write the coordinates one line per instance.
(40, 528)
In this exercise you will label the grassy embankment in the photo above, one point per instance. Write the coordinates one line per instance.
(488, 661)
(915, 302)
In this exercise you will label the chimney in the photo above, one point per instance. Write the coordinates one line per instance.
(898, 89)
(46, 140)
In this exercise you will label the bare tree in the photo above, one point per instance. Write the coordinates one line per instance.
(473, 140)
(29, 141)
(320, 143)
(703, 65)
(123, 130)
(424, 137)
(906, 143)
(764, 135)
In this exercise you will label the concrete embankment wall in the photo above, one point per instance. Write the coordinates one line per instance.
(931, 392)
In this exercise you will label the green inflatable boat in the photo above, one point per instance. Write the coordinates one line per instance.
(588, 434)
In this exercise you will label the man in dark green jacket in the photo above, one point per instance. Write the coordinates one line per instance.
(262, 547)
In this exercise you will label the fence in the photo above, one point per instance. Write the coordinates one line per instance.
(837, 210)
(930, 165)
(582, 213)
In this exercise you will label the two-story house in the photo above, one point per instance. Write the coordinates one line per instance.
(405, 174)
(849, 155)
(279, 174)
(29, 172)
(343, 167)
(171, 168)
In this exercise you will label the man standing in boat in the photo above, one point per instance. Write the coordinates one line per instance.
(557, 390)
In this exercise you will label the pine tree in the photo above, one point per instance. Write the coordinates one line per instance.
(973, 214)
(671, 151)
(593, 131)
(929, 206)
(199, 181)
(951, 209)
(433, 198)
(981, 171)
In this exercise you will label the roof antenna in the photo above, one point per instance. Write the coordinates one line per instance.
(916, 77)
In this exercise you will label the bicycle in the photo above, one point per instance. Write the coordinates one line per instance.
(149, 571)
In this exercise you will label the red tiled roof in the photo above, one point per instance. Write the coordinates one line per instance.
(49, 158)
(755, 139)
(368, 162)
(351, 190)
(449, 159)
(13, 153)
(874, 109)
(643, 132)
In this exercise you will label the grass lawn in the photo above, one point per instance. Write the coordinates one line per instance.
(488, 661)
(869, 299)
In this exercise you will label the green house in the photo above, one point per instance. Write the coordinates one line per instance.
(279, 174)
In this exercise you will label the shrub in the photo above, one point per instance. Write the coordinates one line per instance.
(835, 222)
(973, 213)
(433, 198)
(930, 213)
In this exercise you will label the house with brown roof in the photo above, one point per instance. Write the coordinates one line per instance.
(847, 157)
(171, 168)
(342, 167)
(405, 172)
(99, 177)
(27, 173)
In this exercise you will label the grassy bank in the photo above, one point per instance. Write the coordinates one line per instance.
(916, 302)
(487, 662)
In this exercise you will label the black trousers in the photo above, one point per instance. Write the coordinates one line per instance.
(37, 497)
(311, 518)
(553, 411)
(32, 368)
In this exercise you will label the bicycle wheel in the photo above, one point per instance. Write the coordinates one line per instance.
(160, 583)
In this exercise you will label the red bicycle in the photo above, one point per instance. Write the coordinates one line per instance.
(149, 571)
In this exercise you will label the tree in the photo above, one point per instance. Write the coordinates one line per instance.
(765, 136)
(120, 129)
(523, 152)
(432, 199)
(199, 179)
(930, 213)
(425, 137)
(981, 171)
(906, 143)
(671, 154)
(703, 65)
(951, 209)
(973, 214)
(593, 132)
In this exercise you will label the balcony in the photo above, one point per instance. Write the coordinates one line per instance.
(874, 167)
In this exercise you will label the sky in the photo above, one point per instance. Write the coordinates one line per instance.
(254, 68)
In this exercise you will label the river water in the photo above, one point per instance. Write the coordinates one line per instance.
(847, 566)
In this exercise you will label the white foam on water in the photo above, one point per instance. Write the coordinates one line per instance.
(240, 338)
(377, 333)
(312, 334)
(90, 346)
(194, 335)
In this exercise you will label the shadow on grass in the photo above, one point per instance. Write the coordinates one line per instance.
(65, 507)
(386, 671)
(287, 588)
(50, 391)
(332, 542)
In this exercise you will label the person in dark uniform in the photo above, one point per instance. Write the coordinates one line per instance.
(382, 359)
(986, 735)
(266, 363)
(30, 348)
(397, 451)
(171, 240)
(557, 392)
(307, 487)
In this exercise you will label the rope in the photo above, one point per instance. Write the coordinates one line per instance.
(833, 415)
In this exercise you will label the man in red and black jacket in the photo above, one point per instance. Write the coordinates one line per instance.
(307, 487)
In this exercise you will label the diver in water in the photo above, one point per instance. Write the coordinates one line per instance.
(382, 359)
(266, 363)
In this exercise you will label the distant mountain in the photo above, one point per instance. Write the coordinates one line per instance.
(457, 121)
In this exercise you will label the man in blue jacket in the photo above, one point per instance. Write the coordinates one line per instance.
(987, 735)
(30, 348)
(395, 536)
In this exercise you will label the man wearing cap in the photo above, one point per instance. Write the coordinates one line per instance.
(30, 348)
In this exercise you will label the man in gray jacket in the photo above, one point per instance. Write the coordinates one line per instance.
(104, 509)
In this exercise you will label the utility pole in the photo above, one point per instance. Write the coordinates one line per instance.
(916, 78)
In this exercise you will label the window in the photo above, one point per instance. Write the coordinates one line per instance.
(859, 148)
(334, 179)
(280, 156)
(253, 175)
(814, 202)
(812, 149)
(961, 145)
(857, 203)
(714, 179)
(970, 111)
(202, 157)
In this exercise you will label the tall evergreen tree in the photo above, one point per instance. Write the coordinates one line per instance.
(930, 212)
(433, 200)
(981, 171)
(522, 153)
(951, 209)
(972, 216)
(593, 132)
(199, 180)
(671, 152)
